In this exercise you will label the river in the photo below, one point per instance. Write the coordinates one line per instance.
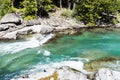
(27, 56)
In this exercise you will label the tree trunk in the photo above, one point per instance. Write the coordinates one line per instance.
(74, 4)
(60, 4)
(69, 4)
(12, 2)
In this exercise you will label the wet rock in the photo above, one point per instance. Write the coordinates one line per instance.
(11, 18)
(107, 74)
(107, 62)
(10, 36)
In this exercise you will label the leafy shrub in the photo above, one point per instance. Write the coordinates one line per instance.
(66, 13)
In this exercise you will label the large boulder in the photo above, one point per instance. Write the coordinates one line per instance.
(4, 27)
(10, 36)
(11, 18)
(107, 74)
(36, 29)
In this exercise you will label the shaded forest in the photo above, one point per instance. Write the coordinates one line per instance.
(88, 11)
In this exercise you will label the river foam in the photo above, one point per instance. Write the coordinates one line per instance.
(28, 43)
(49, 69)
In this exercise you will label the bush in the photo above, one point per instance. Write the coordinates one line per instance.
(29, 17)
(66, 13)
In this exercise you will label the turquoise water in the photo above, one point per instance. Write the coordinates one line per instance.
(17, 59)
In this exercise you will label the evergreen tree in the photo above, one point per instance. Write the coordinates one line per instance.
(92, 11)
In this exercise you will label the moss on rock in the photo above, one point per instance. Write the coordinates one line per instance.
(94, 65)
(54, 76)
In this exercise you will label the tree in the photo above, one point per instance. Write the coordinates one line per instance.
(4, 7)
(60, 4)
(92, 11)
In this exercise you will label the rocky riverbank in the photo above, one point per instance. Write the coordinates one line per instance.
(12, 26)
(68, 73)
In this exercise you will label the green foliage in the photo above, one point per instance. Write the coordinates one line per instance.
(29, 17)
(29, 9)
(89, 11)
(47, 4)
(4, 7)
(66, 13)
(90, 24)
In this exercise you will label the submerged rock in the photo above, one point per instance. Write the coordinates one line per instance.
(107, 62)
(11, 18)
(107, 74)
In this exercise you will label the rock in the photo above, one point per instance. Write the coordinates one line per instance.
(32, 22)
(10, 36)
(24, 31)
(54, 76)
(36, 28)
(11, 18)
(2, 33)
(107, 74)
(106, 62)
(46, 29)
(67, 73)
(4, 27)
(117, 25)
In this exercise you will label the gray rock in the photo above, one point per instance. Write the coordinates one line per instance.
(36, 29)
(2, 33)
(32, 22)
(4, 27)
(67, 73)
(11, 18)
(46, 29)
(117, 25)
(24, 31)
(107, 74)
(10, 36)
